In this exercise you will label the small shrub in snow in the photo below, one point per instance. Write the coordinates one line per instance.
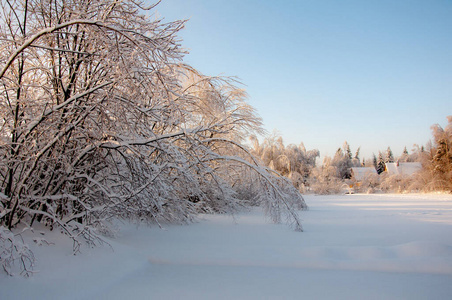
(15, 255)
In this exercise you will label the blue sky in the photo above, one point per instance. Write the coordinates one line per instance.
(373, 73)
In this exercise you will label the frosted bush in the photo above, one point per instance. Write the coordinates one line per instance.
(15, 255)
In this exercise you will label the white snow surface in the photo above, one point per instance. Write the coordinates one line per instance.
(353, 247)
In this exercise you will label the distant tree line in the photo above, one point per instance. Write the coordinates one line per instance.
(334, 175)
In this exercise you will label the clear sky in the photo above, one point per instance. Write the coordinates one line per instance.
(373, 73)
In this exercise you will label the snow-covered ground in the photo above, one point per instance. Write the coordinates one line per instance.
(353, 247)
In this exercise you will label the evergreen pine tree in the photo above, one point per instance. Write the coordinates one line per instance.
(404, 156)
(347, 150)
(389, 156)
(380, 163)
(374, 160)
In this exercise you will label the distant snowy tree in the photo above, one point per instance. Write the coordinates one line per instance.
(374, 160)
(356, 160)
(405, 156)
(293, 162)
(347, 150)
(324, 179)
(342, 160)
(441, 160)
(405, 151)
(335, 173)
(357, 153)
(389, 157)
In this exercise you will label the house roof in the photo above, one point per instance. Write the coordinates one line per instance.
(360, 172)
(405, 168)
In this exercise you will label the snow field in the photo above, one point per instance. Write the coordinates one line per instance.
(353, 247)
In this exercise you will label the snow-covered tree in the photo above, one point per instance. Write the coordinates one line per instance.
(102, 120)
(389, 157)
(335, 173)
(324, 179)
(440, 162)
(343, 161)
(404, 157)
(357, 153)
(293, 162)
